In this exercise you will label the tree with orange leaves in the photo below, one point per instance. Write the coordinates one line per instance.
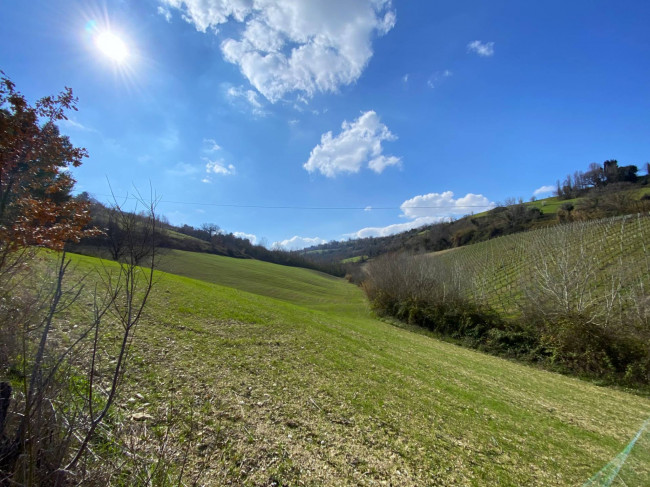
(36, 207)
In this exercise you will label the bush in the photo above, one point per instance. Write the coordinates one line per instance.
(419, 291)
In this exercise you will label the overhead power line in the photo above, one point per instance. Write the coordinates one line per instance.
(299, 207)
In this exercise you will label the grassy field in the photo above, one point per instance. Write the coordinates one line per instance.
(358, 258)
(549, 206)
(289, 380)
(302, 287)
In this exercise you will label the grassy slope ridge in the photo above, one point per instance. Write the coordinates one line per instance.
(295, 285)
(304, 387)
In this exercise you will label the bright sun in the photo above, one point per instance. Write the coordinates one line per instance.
(112, 47)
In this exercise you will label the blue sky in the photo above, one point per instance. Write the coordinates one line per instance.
(307, 121)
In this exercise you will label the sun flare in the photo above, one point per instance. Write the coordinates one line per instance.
(112, 46)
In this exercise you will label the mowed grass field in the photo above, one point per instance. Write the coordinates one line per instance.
(290, 284)
(288, 379)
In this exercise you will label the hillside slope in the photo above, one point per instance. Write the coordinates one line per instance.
(583, 258)
(509, 219)
(291, 284)
(291, 381)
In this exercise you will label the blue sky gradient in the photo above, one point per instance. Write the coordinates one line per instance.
(452, 104)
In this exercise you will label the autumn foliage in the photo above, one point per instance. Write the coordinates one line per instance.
(36, 207)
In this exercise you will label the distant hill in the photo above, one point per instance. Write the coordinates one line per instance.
(514, 217)
(604, 191)
(207, 239)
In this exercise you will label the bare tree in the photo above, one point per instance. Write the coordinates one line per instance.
(46, 426)
(210, 228)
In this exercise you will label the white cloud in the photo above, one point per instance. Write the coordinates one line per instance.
(484, 49)
(444, 205)
(299, 46)
(428, 209)
(379, 163)
(405, 78)
(249, 97)
(297, 243)
(210, 145)
(394, 228)
(359, 143)
(208, 14)
(249, 236)
(544, 190)
(437, 78)
(218, 166)
(165, 13)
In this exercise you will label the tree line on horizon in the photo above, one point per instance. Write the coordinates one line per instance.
(602, 191)
(206, 238)
(597, 177)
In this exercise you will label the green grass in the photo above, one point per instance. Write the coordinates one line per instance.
(639, 193)
(177, 238)
(294, 382)
(358, 258)
(304, 287)
(550, 206)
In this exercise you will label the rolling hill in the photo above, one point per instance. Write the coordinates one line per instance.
(287, 379)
